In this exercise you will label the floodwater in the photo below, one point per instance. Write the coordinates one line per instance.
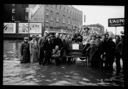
(15, 73)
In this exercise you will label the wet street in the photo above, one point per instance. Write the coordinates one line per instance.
(15, 73)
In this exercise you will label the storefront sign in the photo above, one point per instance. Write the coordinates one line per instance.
(115, 22)
(23, 28)
(9, 27)
(33, 28)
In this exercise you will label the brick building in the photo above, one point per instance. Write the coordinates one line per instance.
(56, 17)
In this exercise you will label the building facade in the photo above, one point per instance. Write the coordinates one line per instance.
(94, 29)
(15, 12)
(52, 17)
(56, 17)
(13, 15)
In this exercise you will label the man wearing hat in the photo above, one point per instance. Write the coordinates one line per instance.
(41, 46)
(34, 49)
(25, 51)
(47, 50)
(118, 53)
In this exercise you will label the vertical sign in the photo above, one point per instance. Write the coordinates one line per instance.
(84, 18)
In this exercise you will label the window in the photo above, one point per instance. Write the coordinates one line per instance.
(13, 5)
(63, 20)
(57, 13)
(51, 18)
(13, 10)
(51, 12)
(26, 17)
(63, 8)
(60, 7)
(47, 16)
(47, 7)
(23, 5)
(47, 12)
(46, 21)
(13, 18)
(68, 20)
(57, 19)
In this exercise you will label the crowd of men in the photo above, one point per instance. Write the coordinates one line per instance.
(101, 51)
(48, 47)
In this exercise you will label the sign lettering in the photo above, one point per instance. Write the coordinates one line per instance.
(33, 28)
(114, 22)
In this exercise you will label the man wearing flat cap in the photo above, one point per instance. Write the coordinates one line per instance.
(25, 51)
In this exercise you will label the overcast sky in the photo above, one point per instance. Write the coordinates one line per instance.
(101, 14)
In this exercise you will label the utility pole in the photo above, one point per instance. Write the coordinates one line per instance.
(115, 30)
(29, 18)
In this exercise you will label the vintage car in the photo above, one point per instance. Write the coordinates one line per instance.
(77, 50)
